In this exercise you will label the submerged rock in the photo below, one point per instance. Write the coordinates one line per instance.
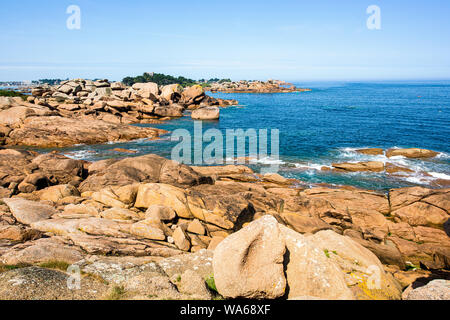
(411, 153)
(373, 166)
(210, 113)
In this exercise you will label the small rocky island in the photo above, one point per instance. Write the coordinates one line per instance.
(270, 86)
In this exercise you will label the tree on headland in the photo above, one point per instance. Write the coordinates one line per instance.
(51, 82)
(162, 80)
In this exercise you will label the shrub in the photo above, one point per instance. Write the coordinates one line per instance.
(11, 93)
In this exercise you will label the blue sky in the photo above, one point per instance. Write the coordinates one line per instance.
(294, 40)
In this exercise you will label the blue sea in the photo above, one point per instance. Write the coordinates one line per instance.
(327, 125)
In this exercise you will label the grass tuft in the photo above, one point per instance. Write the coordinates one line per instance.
(116, 293)
(58, 265)
(9, 267)
(211, 283)
(11, 93)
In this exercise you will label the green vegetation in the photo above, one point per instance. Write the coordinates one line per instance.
(9, 267)
(160, 79)
(215, 80)
(51, 82)
(411, 267)
(163, 80)
(59, 265)
(211, 283)
(116, 293)
(12, 93)
(327, 252)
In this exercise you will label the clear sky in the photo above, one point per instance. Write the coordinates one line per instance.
(295, 40)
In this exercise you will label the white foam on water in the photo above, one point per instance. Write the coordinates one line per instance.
(269, 161)
(439, 175)
(80, 154)
(310, 166)
(416, 179)
(443, 155)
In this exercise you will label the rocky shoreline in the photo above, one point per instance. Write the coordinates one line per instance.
(387, 166)
(87, 112)
(150, 228)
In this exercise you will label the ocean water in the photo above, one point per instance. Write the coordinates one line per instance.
(326, 125)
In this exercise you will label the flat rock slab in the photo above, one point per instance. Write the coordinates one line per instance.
(27, 212)
(50, 132)
(435, 290)
(200, 262)
(44, 284)
(42, 250)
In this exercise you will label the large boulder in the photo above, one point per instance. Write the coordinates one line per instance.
(56, 193)
(249, 263)
(420, 206)
(14, 166)
(6, 103)
(209, 113)
(148, 229)
(173, 110)
(363, 270)
(308, 271)
(148, 90)
(164, 195)
(171, 92)
(411, 153)
(226, 206)
(321, 266)
(145, 169)
(117, 196)
(15, 115)
(59, 168)
(193, 95)
(344, 209)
